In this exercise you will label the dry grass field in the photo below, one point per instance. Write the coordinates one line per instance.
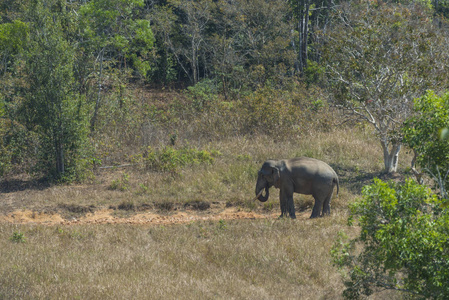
(214, 243)
(241, 259)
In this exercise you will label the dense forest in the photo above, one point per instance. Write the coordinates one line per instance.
(102, 83)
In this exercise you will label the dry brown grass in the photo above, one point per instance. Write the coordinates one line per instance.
(355, 156)
(247, 259)
(239, 259)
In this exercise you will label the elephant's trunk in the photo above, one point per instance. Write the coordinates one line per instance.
(262, 198)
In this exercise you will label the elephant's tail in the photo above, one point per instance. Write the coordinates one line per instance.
(335, 182)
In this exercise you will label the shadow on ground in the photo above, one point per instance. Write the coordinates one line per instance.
(19, 185)
(354, 179)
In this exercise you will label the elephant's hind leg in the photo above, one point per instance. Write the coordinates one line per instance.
(327, 204)
(316, 211)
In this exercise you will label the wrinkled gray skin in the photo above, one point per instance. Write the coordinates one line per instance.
(301, 175)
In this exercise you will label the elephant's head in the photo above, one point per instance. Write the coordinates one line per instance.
(267, 177)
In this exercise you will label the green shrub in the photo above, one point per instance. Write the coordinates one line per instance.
(405, 237)
(120, 184)
(170, 159)
(271, 112)
(17, 147)
(18, 237)
(424, 132)
(203, 94)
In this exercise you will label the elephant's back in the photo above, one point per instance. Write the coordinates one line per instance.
(311, 166)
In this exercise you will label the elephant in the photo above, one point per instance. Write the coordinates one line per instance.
(301, 175)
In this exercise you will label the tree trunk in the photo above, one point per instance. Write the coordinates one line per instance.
(60, 159)
(303, 29)
(418, 175)
(59, 152)
(194, 63)
(97, 103)
(391, 156)
(305, 36)
(300, 14)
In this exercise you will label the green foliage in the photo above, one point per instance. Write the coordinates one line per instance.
(17, 147)
(241, 44)
(2, 108)
(405, 237)
(141, 44)
(96, 55)
(203, 94)
(426, 131)
(18, 237)
(99, 20)
(314, 72)
(444, 134)
(441, 8)
(51, 108)
(170, 159)
(272, 112)
(13, 38)
(113, 28)
(222, 225)
(120, 184)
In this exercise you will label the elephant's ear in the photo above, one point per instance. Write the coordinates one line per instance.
(276, 176)
(265, 172)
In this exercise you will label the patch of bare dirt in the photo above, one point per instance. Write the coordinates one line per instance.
(24, 201)
(28, 216)
(106, 216)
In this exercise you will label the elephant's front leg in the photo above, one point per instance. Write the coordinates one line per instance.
(283, 202)
(287, 205)
(291, 207)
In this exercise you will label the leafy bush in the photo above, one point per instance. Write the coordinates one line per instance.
(425, 134)
(203, 94)
(17, 147)
(120, 184)
(18, 237)
(405, 239)
(170, 159)
(269, 111)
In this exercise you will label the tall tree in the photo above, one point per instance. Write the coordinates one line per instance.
(244, 43)
(51, 107)
(182, 26)
(196, 17)
(113, 36)
(309, 16)
(379, 58)
(252, 42)
(301, 12)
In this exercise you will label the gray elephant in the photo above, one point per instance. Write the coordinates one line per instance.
(301, 175)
